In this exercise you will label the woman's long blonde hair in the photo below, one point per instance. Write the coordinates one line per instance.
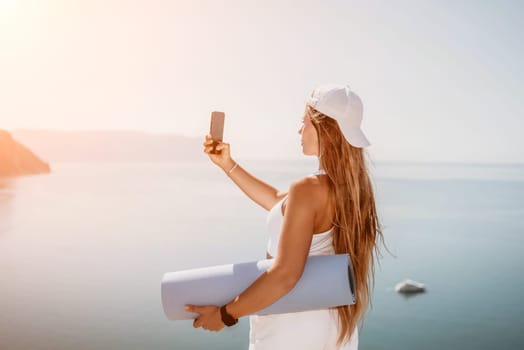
(356, 224)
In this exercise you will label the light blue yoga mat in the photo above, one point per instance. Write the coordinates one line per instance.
(327, 281)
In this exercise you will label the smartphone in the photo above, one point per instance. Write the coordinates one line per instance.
(216, 129)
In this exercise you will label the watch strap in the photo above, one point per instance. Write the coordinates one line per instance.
(227, 318)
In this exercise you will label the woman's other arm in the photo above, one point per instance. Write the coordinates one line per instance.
(293, 250)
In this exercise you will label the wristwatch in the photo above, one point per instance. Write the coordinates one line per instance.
(227, 318)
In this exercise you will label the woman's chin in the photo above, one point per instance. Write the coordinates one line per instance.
(304, 152)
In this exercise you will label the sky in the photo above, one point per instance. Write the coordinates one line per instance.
(441, 81)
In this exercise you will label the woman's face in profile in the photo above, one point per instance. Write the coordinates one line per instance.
(309, 139)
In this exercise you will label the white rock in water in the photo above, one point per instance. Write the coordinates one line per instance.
(409, 286)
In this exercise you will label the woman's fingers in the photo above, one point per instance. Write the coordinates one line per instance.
(209, 145)
(209, 142)
(209, 148)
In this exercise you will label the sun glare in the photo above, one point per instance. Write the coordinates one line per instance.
(7, 6)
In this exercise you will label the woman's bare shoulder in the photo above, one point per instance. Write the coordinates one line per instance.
(310, 185)
(311, 188)
(316, 182)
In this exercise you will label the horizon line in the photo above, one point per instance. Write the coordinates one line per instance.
(376, 160)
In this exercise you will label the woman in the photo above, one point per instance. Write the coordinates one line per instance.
(331, 211)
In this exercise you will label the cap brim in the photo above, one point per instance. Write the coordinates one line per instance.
(356, 137)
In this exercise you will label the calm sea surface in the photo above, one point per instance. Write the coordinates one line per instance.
(83, 251)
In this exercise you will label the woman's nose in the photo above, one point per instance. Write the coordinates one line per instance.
(300, 130)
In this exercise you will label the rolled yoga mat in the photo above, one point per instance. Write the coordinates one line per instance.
(327, 281)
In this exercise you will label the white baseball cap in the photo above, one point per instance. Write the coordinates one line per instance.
(343, 105)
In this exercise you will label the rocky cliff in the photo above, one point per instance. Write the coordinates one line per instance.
(15, 159)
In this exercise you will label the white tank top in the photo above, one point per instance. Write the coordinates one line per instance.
(322, 243)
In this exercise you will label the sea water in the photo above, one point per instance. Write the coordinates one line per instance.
(83, 251)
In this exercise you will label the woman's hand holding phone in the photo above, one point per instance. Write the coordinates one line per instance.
(223, 158)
